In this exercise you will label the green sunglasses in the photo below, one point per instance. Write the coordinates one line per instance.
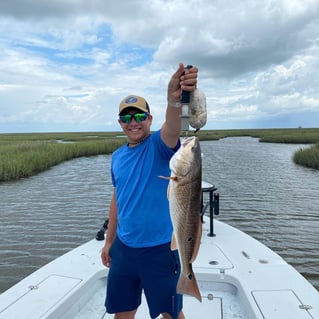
(138, 117)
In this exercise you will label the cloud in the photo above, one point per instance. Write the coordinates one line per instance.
(69, 63)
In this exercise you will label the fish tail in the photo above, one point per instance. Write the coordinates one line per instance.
(188, 285)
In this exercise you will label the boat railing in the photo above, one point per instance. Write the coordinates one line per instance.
(210, 199)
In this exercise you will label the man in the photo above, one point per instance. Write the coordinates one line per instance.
(137, 245)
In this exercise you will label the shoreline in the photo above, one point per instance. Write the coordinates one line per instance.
(23, 155)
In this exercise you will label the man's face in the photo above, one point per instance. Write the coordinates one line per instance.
(135, 124)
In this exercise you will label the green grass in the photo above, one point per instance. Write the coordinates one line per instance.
(308, 157)
(295, 136)
(24, 155)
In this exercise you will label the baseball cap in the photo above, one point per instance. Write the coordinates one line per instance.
(134, 101)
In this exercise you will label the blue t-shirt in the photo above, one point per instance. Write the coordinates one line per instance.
(141, 195)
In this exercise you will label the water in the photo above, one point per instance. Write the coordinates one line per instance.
(49, 214)
(262, 192)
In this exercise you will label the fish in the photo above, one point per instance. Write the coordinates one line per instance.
(184, 195)
(197, 109)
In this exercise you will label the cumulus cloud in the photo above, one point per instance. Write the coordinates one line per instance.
(72, 61)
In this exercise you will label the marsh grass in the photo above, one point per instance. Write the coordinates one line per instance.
(308, 157)
(294, 136)
(24, 155)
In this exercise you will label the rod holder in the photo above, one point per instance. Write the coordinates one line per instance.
(213, 204)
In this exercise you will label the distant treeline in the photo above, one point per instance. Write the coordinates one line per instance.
(26, 154)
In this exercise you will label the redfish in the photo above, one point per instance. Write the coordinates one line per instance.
(185, 205)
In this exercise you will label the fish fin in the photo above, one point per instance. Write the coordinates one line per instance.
(188, 285)
(197, 241)
(173, 243)
(164, 177)
(168, 177)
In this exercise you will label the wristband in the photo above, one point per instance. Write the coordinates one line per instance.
(174, 104)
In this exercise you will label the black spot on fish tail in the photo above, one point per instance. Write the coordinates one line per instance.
(189, 239)
(190, 276)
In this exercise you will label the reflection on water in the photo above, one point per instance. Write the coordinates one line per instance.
(262, 192)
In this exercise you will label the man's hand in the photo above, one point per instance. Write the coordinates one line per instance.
(182, 79)
(105, 257)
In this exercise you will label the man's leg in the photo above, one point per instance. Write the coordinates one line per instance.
(167, 316)
(125, 315)
(159, 275)
(124, 290)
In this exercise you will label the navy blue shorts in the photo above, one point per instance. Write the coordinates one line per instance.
(153, 269)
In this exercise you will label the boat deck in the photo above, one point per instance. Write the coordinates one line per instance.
(238, 278)
(220, 301)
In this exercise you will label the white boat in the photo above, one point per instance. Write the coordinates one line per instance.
(238, 277)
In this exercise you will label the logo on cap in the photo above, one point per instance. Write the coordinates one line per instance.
(131, 99)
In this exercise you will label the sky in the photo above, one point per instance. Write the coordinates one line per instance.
(66, 64)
